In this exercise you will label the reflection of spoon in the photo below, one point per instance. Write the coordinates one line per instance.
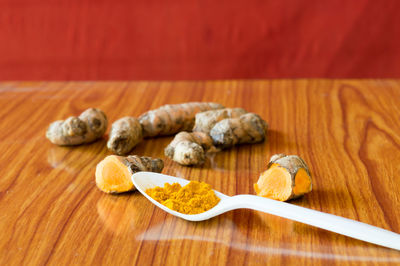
(344, 226)
(155, 233)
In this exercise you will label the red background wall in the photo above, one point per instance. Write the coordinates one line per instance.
(198, 39)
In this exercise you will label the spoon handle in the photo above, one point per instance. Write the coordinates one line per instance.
(337, 224)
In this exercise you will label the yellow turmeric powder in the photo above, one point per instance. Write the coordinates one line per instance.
(195, 197)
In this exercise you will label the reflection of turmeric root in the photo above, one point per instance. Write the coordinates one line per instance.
(59, 157)
(121, 216)
(86, 128)
(189, 148)
(248, 128)
(287, 177)
(205, 121)
(125, 134)
(113, 174)
(172, 118)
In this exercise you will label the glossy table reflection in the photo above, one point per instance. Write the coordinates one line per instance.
(52, 213)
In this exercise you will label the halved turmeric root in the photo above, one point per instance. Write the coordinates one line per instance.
(113, 174)
(287, 177)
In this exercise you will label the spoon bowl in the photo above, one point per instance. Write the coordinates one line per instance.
(146, 180)
(337, 224)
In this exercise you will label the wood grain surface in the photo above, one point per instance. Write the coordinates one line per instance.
(51, 211)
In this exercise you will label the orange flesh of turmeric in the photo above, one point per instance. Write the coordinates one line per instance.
(112, 176)
(302, 183)
(275, 183)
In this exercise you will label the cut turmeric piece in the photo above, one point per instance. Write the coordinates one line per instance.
(287, 177)
(113, 174)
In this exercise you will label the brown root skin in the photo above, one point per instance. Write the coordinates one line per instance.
(125, 134)
(205, 121)
(172, 118)
(287, 177)
(248, 128)
(88, 127)
(291, 162)
(189, 148)
(113, 173)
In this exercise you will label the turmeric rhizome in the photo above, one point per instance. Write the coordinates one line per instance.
(287, 177)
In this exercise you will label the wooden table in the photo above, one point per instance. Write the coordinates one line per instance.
(51, 211)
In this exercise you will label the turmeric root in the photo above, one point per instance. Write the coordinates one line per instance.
(125, 134)
(113, 174)
(89, 126)
(205, 121)
(248, 128)
(287, 177)
(172, 118)
(189, 148)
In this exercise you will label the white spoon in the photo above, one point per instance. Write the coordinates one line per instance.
(337, 224)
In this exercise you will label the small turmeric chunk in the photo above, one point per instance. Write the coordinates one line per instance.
(89, 126)
(287, 177)
(195, 197)
(113, 174)
(248, 128)
(125, 134)
(189, 148)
